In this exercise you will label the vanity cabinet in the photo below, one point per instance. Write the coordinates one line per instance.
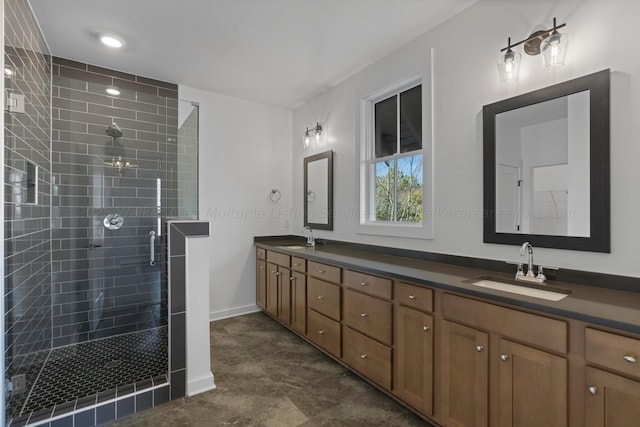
(464, 376)
(324, 303)
(456, 360)
(261, 284)
(531, 387)
(367, 326)
(298, 295)
(278, 289)
(413, 347)
(612, 396)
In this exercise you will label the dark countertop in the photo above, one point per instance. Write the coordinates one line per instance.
(607, 307)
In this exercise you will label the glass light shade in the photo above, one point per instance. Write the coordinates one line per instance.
(318, 133)
(306, 140)
(554, 49)
(509, 66)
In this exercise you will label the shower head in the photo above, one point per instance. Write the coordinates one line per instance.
(114, 131)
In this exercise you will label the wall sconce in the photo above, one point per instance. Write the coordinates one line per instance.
(551, 43)
(312, 134)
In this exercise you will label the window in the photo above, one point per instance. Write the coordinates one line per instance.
(394, 164)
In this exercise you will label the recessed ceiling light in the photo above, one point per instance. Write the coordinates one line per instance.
(113, 91)
(111, 41)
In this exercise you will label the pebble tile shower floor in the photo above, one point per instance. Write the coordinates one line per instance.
(80, 374)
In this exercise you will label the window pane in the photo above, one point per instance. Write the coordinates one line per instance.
(409, 189)
(411, 120)
(385, 191)
(386, 137)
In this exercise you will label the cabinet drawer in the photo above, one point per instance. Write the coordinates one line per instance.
(372, 285)
(299, 264)
(261, 253)
(324, 298)
(324, 271)
(368, 315)
(530, 328)
(613, 351)
(324, 332)
(278, 258)
(368, 357)
(414, 296)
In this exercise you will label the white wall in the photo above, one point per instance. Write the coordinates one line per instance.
(245, 151)
(465, 78)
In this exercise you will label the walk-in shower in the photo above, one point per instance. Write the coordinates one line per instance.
(86, 287)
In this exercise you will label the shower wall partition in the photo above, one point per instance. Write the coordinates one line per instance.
(90, 181)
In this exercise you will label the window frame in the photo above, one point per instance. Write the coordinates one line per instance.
(367, 222)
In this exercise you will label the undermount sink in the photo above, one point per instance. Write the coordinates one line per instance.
(543, 292)
(292, 247)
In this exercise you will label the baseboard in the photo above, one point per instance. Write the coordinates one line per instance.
(200, 385)
(233, 312)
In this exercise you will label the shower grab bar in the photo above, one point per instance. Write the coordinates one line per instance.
(152, 248)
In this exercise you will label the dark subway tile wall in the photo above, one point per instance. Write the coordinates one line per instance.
(27, 299)
(102, 282)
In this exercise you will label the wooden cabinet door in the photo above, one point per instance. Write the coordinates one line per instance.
(299, 302)
(261, 284)
(413, 358)
(464, 376)
(611, 400)
(272, 289)
(284, 295)
(532, 388)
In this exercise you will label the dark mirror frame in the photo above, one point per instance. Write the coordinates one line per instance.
(598, 85)
(329, 156)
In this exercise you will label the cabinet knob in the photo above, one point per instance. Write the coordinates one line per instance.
(592, 390)
(363, 283)
(363, 356)
(363, 315)
(479, 348)
(320, 297)
(426, 328)
(504, 357)
(292, 278)
(262, 267)
(278, 273)
(295, 264)
(321, 331)
(631, 358)
(320, 271)
(273, 272)
(412, 297)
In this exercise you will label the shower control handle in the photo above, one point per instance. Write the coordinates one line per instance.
(152, 248)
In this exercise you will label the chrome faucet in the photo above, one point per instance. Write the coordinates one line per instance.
(526, 246)
(310, 240)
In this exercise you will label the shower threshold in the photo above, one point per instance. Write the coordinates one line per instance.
(69, 378)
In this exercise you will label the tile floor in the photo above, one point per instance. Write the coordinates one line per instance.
(267, 376)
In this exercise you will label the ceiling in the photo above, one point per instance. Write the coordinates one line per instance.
(279, 52)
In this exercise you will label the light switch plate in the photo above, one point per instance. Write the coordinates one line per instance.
(15, 102)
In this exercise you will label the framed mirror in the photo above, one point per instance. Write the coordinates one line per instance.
(318, 191)
(546, 167)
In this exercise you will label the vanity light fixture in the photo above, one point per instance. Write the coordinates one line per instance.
(312, 134)
(551, 43)
(111, 41)
(8, 71)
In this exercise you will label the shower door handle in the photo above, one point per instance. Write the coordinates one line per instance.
(152, 248)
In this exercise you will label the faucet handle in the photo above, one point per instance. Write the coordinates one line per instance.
(541, 275)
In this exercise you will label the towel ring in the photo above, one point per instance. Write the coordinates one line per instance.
(274, 195)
